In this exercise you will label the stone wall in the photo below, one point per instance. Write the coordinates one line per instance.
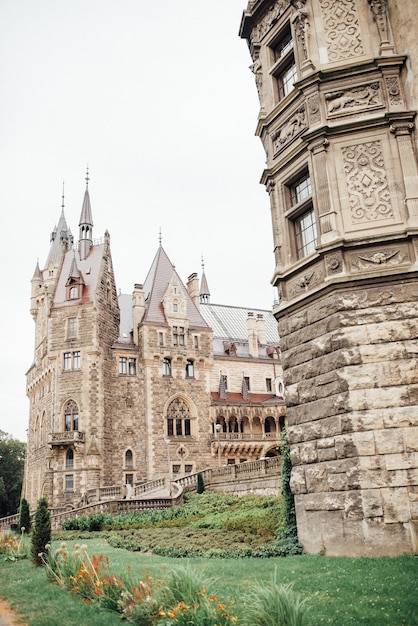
(351, 368)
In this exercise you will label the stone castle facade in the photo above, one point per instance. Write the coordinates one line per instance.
(338, 88)
(124, 389)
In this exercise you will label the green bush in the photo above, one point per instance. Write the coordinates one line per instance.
(200, 487)
(41, 534)
(24, 518)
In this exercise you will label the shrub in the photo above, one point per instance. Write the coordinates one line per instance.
(41, 534)
(24, 519)
(200, 488)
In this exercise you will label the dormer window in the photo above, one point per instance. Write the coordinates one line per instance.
(73, 293)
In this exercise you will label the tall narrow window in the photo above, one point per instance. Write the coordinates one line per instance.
(129, 459)
(189, 368)
(71, 327)
(122, 364)
(131, 367)
(284, 68)
(69, 459)
(303, 215)
(167, 367)
(69, 482)
(72, 360)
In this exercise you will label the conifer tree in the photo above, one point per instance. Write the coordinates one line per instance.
(41, 535)
(24, 519)
(200, 487)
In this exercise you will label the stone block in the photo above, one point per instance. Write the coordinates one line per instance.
(396, 507)
(295, 455)
(298, 481)
(373, 479)
(410, 437)
(337, 482)
(353, 506)
(326, 454)
(400, 417)
(364, 443)
(372, 503)
(389, 441)
(316, 478)
(308, 453)
(407, 460)
(295, 434)
(345, 447)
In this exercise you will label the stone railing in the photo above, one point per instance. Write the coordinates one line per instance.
(116, 499)
(67, 437)
(244, 436)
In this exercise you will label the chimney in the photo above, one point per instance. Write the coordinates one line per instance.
(138, 309)
(252, 335)
(261, 329)
(193, 288)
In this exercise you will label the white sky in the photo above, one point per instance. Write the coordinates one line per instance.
(158, 99)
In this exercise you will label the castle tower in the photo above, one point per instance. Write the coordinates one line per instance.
(338, 90)
(75, 309)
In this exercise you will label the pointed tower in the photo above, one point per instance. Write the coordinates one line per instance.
(85, 224)
(204, 288)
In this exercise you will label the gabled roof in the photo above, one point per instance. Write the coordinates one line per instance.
(89, 269)
(155, 286)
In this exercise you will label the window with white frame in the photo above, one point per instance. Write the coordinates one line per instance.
(284, 64)
(72, 360)
(189, 368)
(166, 366)
(302, 215)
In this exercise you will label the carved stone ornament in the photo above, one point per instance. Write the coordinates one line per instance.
(342, 29)
(306, 281)
(301, 24)
(386, 256)
(273, 14)
(257, 69)
(334, 263)
(292, 127)
(362, 97)
(314, 110)
(379, 10)
(394, 90)
(367, 184)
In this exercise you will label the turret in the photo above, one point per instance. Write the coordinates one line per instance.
(85, 224)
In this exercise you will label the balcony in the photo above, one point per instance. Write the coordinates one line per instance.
(66, 438)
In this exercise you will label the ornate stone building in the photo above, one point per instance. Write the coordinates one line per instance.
(128, 388)
(338, 89)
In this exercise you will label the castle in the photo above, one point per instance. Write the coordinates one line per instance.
(338, 90)
(128, 388)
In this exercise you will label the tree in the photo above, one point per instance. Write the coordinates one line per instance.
(41, 534)
(200, 487)
(12, 460)
(24, 520)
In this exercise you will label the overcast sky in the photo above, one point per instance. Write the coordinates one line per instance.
(158, 99)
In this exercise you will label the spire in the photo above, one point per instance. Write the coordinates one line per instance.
(204, 289)
(86, 223)
(61, 237)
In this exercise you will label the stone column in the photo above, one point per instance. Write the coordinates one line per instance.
(402, 132)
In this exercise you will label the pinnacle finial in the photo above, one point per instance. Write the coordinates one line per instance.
(62, 197)
(160, 237)
(87, 177)
(202, 263)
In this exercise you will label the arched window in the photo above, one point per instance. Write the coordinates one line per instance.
(71, 416)
(178, 419)
(270, 425)
(129, 459)
(69, 459)
(73, 293)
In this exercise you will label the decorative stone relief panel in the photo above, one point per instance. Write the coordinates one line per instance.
(305, 281)
(290, 129)
(370, 259)
(314, 111)
(274, 12)
(353, 99)
(367, 183)
(342, 29)
(394, 90)
(334, 263)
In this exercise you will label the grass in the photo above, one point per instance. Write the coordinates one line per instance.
(340, 591)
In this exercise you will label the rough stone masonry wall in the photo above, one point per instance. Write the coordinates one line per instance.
(351, 372)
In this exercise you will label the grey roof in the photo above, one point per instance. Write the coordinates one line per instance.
(230, 322)
(60, 233)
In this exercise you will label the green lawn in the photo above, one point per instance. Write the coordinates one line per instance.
(341, 591)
